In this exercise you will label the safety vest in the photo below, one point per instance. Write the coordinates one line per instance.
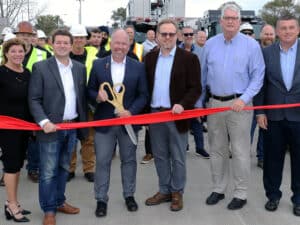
(1, 54)
(90, 57)
(35, 56)
(49, 48)
(138, 50)
(107, 45)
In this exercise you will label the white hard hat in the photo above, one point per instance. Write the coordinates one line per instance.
(246, 26)
(8, 37)
(41, 34)
(6, 30)
(78, 30)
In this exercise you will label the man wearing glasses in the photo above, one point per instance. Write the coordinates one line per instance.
(174, 84)
(233, 69)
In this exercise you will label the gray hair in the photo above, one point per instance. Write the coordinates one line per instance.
(232, 6)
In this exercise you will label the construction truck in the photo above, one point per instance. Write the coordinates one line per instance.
(145, 14)
(211, 21)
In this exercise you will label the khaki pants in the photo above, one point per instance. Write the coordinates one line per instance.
(87, 152)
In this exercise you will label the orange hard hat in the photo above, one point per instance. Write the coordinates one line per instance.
(24, 27)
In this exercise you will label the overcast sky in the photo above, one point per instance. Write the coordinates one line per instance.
(98, 12)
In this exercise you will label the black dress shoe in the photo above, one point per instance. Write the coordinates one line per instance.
(131, 204)
(101, 209)
(236, 203)
(214, 198)
(272, 205)
(296, 210)
(71, 176)
(89, 176)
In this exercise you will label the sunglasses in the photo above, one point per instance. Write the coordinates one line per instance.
(248, 33)
(188, 34)
(168, 34)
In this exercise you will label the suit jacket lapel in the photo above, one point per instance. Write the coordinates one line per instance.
(107, 70)
(53, 67)
(75, 79)
(277, 62)
(126, 72)
(296, 77)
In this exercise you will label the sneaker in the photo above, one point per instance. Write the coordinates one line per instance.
(147, 158)
(260, 163)
(202, 153)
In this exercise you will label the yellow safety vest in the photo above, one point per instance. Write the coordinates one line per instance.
(35, 56)
(107, 45)
(49, 48)
(90, 57)
(138, 50)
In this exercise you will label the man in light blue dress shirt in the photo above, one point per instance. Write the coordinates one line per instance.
(233, 69)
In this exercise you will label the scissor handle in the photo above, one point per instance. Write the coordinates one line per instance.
(119, 93)
(117, 98)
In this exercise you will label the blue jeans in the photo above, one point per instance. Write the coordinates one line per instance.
(32, 155)
(169, 152)
(54, 169)
(260, 140)
(197, 128)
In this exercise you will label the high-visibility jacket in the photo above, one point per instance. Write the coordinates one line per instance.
(138, 50)
(107, 45)
(35, 56)
(90, 57)
(49, 48)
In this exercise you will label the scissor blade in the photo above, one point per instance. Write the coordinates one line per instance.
(131, 133)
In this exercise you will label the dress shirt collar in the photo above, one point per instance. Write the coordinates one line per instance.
(183, 46)
(232, 39)
(292, 48)
(114, 62)
(172, 52)
(61, 65)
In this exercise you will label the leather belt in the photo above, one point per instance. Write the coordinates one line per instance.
(160, 109)
(69, 121)
(225, 98)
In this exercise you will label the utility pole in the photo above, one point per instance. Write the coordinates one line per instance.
(80, 10)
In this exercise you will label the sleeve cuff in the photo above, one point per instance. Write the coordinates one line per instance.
(43, 122)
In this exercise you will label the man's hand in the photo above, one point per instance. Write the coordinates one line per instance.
(177, 109)
(49, 127)
(238, 105)
(102, 96)
(124, 113)
(262, 121)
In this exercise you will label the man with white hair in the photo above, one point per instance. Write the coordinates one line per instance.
(233, 69)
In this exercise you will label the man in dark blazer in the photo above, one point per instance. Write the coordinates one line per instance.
(174, 84)
(115, 69)
(57, 95)
(282, 126)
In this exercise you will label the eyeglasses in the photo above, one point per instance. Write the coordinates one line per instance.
(248, 33)
(188, 34)
(232, 18)
(164, 34)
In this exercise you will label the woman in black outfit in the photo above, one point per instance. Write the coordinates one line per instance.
(13, 102)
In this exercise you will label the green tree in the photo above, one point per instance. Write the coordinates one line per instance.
(48, 23)
(118, 16)
(272, 10)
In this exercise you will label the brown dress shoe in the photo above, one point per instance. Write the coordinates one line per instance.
(49, 219)
(177, 202)
(158, 198)
(68, 209)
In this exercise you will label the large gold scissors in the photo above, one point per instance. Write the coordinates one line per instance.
(116, 92)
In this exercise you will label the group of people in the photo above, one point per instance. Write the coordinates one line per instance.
(77, 84)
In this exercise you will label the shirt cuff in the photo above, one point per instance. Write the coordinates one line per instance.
(43, 122)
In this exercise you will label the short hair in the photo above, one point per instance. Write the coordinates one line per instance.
(287, 17)
(129, 26)
(167, 21)
(8, 44)
(62, 32)
(187, 27)
(95, 30)
(231, 6)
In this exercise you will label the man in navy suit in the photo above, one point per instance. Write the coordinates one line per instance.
(115, 69)
(281, 86)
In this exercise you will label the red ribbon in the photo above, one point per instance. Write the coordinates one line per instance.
(12, 123)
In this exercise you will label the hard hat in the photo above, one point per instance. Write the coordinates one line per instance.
(78, 30)
(246, 26)
(41, 34)
(8, 37)
(24, 27)
(6, 30)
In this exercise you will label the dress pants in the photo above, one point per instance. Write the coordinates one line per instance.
(169, 152)
(276, 138)
(104, 148)
(236, 126)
